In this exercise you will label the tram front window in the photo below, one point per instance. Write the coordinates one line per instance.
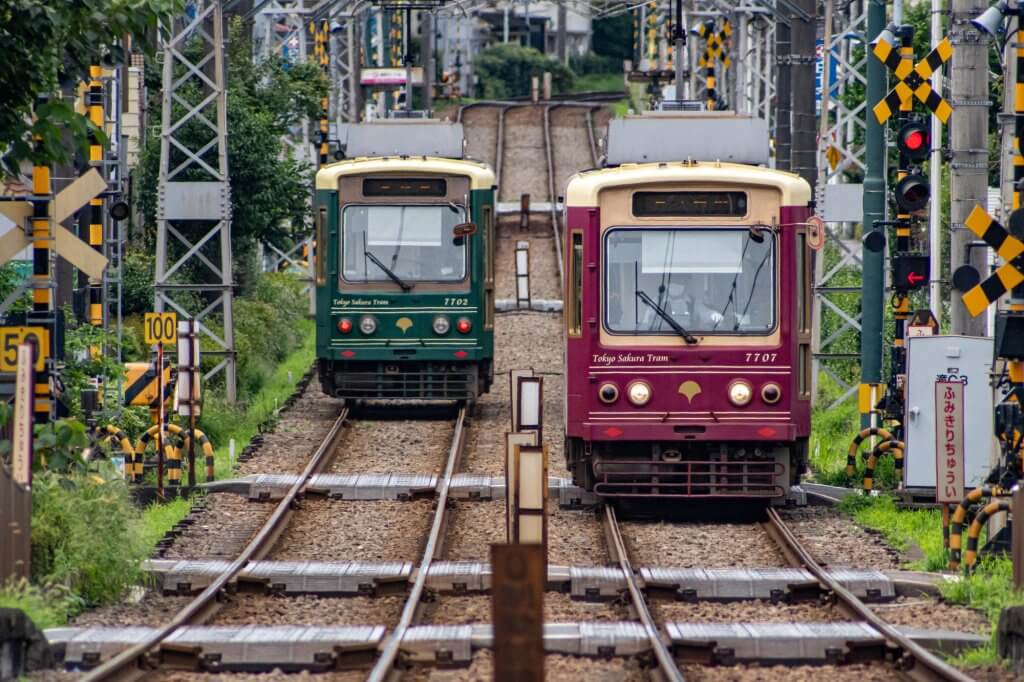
(709, 281)
(410, 243)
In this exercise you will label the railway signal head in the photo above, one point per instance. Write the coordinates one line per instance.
(912, 193)
(910, 271)
(914, 141)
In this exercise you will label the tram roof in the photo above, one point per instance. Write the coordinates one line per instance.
(480, 175)
(584, 188)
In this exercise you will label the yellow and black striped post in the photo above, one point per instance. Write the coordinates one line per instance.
(94, 101)
(901, 299)
(42, 274)
(322, 56)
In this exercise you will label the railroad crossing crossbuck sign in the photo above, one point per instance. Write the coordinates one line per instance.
(913, 80)
(1008, 275)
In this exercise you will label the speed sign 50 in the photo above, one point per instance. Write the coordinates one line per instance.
(12, 337)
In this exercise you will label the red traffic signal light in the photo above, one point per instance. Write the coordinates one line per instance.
(914, 141)
(910, 271)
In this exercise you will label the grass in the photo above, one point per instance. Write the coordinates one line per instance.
(989, 588)
(599, 82)
(223, 423)
(47, 609)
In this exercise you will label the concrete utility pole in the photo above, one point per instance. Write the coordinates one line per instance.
(804, 143)
(783, 93)
(969, 142)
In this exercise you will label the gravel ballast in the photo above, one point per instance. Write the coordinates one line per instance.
(260, 609)
(705, 545)
(558, 608)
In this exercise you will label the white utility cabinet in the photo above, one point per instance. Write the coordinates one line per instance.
(948, 358)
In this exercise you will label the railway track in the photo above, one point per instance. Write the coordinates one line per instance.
(132, 662)
(908, 659)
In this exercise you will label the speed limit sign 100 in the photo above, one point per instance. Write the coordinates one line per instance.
(12, 337)
(160, 328)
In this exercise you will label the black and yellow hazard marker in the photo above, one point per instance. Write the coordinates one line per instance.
(896, 447)
(172, 451)
(913, 80)
(1008, 275)
(141, 387)
(974, 532)
(960, 516)
(206, 446)
(851, 452)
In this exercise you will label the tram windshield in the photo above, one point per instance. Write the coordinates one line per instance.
(708, 281)
(403, 243)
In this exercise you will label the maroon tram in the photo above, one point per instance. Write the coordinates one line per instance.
(688, 314)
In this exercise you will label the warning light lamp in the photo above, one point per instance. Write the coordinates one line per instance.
(771, 393)
(912, 193)
(914, 141)
(463, 326)
(344, 325)
(608, 393)
(909, 271)
(740, 392)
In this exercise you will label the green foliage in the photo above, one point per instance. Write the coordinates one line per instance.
(901, 528)
(592, 64)
(831, 433)
(10, 279)
(613, 37)
(505, 71)
(48, 608)
(269, 190)
(989, 588)
(57, 446)
(48, 46)
(81, 365)
(85, 535)
(137, 275)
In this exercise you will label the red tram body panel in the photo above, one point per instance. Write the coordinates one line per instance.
(688, 330)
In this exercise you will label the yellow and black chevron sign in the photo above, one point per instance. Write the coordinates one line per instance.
(1008, 275)
(913, 81)
(140, 384)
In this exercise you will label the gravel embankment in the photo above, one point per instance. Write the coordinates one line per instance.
(861, 672)
(339, 530)
(834, 539)
(575, 537)
(481, 130)
(571, 144)
(557, 668)
(259, 609)
(934, 614)
(754, 611)
(523, 168)
(703, 545)
(558, 608)
(395, 447)
(543, 263)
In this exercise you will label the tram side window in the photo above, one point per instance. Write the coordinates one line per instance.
(802, 312)
(576, 285)
(320, 248)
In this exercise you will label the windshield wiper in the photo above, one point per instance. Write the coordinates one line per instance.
(687, 336)
(387, 271)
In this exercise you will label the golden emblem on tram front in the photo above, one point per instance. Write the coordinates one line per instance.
(689, 388)
(404, 323)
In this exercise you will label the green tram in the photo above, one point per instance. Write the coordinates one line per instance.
(405, 274)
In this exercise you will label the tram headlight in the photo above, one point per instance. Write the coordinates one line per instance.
(608, 393)
(639, 393)
(740, 392)
(368, 324)
(442, 325)
(771, 393)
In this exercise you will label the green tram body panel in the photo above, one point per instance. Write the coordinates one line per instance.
(405, 358)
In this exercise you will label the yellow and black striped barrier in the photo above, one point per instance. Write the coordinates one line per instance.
(960, 516)
(912, 81)
(176, 443)
(207, 448)
(141, 387)
(851, 452)
(974, 532)
(894, 446)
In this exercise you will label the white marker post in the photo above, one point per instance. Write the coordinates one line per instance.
(24, 393)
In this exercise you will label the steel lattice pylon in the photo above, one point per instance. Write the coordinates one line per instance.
(194, 205)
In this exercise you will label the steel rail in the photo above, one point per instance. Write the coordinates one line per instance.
(552, 196)
(130, 663)
(617, 545)
(385, 665)
(917, 663)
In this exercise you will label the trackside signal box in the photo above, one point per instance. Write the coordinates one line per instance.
(933, 360)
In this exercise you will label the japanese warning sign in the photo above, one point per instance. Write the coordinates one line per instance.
(949, 441)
